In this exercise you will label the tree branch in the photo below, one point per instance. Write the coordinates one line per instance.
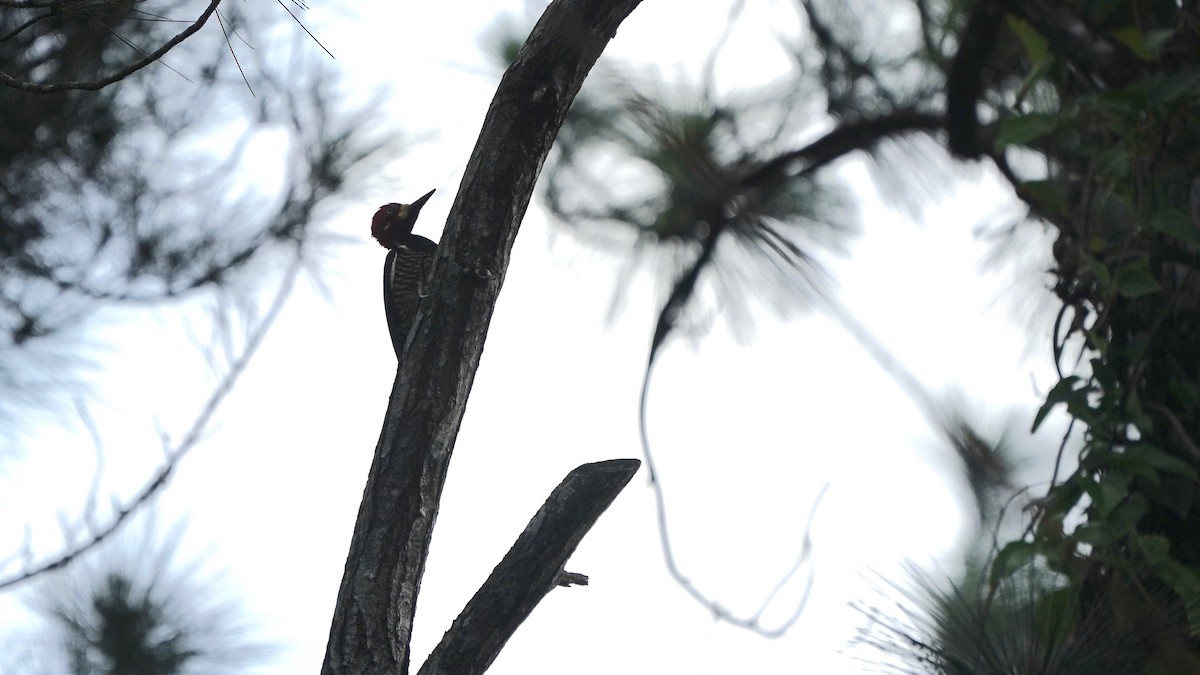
(846, 138)
(964, 81)
(372, 622)
(95, 85)
(174, 456)
(530, 569)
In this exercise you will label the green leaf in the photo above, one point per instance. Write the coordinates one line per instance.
(1066, 497)
(1038, 73)
(1137, 346)
(1094, 458)
(1109, 492)
(1184, 582)
(1014, 556)
(1096, 340)
(1134, 279)
(1146, 46)
(1044, 196)
(1081, 409)
(1100, 271)
(1158, 38)
(1104, 375)
(1155, 548)
(1036, 47)
(1061, 392)
(1123, 103)
(1124, 519)
(1187, 392)
(1175, 223)
(1151, 456)
(1134, 468)
(1092, 534)
(1135, 413)
(1165, 90)
(1022, 129)
(1111, 163)
(1055, 612)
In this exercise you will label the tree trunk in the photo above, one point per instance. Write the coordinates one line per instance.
(372, 622)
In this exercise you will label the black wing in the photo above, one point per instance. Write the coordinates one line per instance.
(405, 277)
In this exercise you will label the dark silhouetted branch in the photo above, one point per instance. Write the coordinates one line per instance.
(964, 82)
(95, 85)
(372, 622)
(846, 138)
(530, 569)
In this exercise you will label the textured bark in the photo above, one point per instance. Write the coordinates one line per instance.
(372, 622)
(530, 569)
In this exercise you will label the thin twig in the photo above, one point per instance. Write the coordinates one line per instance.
(305, 28)
(719, 611)
(89, 508)
(236, 62)
(190, 440)
(707, 76)
(96, 85)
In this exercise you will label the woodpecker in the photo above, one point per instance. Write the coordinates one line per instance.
(407, 267)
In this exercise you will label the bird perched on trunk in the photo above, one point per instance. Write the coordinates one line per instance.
(407, 267)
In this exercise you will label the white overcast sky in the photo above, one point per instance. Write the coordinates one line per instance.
(746, 431)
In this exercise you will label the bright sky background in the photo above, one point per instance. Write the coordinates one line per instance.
(746, 432)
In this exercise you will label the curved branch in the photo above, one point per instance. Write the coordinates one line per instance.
(843, 140)
(95, 85)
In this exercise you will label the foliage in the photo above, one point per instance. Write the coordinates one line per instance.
(672, 177)
(1092, 114)
(155, 187)
(724, 196)
(1091, 110)
(1120, 144)
(135, 607)
(130, 180)
(1030, 620)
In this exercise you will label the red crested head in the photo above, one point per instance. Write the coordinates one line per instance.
(392, 222)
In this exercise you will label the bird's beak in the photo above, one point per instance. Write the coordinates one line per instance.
(415, 207)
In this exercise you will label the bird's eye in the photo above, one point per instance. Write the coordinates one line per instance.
(391, 210)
